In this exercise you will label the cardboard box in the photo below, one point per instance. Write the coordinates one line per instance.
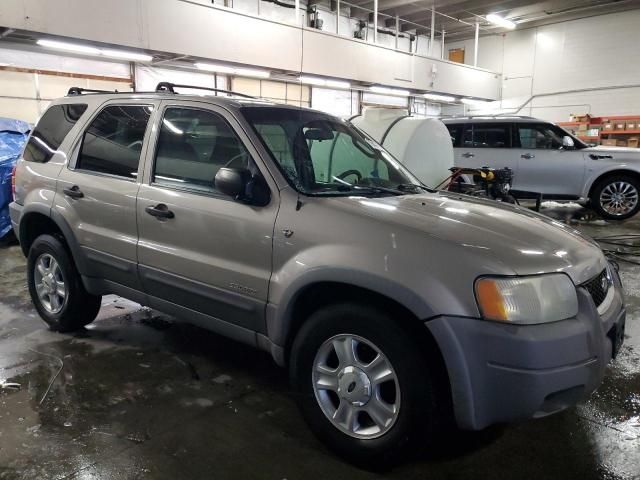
(583, 127)
(580, 118)
(609, 142)
(633, 125)
(619, 125)
(633, 142)
(607, 126)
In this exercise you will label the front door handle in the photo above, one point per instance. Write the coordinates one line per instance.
(73, 192)
(528, 156)
(468, 155)
(159, 211)
(593, 156)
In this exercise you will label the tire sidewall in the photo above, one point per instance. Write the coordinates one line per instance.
(417, 405)
(601, 185)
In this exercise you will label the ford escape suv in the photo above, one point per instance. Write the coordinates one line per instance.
(394, 306)
(547, 160)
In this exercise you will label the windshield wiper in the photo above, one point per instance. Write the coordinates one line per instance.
(414, 186)
(377, 189)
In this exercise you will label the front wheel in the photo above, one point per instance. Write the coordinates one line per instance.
(616, 197)
(364, 386)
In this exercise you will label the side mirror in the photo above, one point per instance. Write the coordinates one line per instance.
(232, 181)
(567, 143)
(241, 185)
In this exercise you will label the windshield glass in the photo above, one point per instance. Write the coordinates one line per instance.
(320, 154)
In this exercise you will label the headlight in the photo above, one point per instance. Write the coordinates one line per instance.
(527, 300)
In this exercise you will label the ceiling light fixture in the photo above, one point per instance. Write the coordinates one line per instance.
(137, 57)
(390, 91)
(324, 82)
(88, 50)
(500, 21)
(242, 72)
(438, 98)
(473, 101)
(252, 72)
(215, 68)
(68, 47)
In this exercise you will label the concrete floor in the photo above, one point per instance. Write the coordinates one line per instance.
(138, 396)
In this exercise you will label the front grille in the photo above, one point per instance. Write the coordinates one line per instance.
(598, 287)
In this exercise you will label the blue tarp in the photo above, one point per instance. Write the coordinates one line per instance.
(13, 136)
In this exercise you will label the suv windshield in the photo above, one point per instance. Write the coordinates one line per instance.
(323, 155)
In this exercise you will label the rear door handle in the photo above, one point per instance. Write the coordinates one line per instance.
(468, 155)
(528, 156)
(159, 211)
(73, 192)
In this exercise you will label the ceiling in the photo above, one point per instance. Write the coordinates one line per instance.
(457, 17)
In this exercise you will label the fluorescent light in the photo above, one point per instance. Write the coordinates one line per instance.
(338, 84)
(69, 47)
(252, 72)
(312, 80)
(322, 82)
(139, 57)
(389, 91)
(438, 98)
(215, 68)
(501, 22)
(473, 101)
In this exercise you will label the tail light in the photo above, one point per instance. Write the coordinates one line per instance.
(13, 181)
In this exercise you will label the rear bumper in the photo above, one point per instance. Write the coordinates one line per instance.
(15, 212)
(502, 373)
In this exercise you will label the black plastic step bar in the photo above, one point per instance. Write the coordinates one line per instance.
(170, 87)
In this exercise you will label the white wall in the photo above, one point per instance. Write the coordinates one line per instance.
(595, 52)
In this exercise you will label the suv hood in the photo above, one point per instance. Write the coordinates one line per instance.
(523, 242)
(600, 149)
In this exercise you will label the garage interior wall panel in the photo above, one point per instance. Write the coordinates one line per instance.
(221, 34)
(596, 52)
(336, 102)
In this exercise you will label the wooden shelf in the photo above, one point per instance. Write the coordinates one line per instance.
(620, 132)
(589, 137)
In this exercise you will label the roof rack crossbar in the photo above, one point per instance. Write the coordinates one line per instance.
(170, 87)
(80, 91)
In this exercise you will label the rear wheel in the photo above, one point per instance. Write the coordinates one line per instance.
(56, 288)
(364, 386)
(616, 197)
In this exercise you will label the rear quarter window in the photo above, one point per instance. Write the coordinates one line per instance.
(53, 127)
(455, 132)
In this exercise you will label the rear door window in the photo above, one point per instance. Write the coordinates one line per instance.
(53, 127)
(113, 142)
(488, 135)
(455, 131)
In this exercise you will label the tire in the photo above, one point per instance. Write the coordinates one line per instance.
(603, 197)
(417, 416)
(50, 269)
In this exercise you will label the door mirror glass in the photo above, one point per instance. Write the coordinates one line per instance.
(567, 142)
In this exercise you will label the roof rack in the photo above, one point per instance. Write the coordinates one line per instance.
(80, 91)
(170, 87)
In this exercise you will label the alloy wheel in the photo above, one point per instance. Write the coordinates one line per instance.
(50, 285)
(356, 386)
(619, 198)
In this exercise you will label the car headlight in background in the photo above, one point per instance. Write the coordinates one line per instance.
(527, 300)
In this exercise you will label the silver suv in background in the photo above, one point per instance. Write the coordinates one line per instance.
(395, 307)
(547, 160)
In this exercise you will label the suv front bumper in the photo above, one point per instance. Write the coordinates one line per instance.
(502, 373)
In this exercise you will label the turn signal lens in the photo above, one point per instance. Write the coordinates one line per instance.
(527, 300)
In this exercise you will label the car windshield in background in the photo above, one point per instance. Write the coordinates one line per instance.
(323, 155)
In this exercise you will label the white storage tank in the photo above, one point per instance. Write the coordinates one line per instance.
(422, 144)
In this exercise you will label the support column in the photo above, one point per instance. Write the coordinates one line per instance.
(296, 11)
(397, 30)
(375, 21)
(433, 29)
(338, 17)
(442, 46)
(475, 49)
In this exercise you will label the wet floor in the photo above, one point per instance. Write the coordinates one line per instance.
(139, 396)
